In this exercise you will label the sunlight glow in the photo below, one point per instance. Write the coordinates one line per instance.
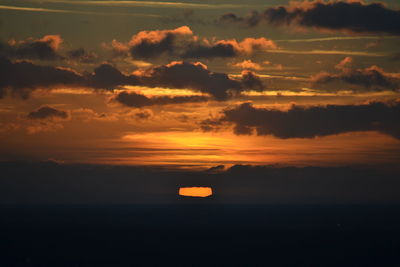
(195, 191)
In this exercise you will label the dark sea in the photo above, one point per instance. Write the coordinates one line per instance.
(193, 234)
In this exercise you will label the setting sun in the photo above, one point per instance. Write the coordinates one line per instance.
(195, 191)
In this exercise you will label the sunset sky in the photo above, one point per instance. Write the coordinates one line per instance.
(196, 84)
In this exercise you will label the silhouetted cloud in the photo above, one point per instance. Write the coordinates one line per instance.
(372, 78)
(143, 114)
(354, 16)
(251, 81)
(45, 48)
(46, 112)
(108, 77)
(148, 44)
(137, 100)
(310, 122)
(251, 20)
(181, 42)
(23, 77)
(81, 55)
(229, 48)
(194, 76)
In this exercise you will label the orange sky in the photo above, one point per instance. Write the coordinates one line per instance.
(164, 91)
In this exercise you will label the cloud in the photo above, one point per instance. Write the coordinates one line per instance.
(45, 48)
(346, 62)
(81, 55)
(251, 81)
(251, 20)
(148, 44)
(372, 78)
(136, 100)
(108, 77)
(181, 42)
(247, 64)
(23, 77)
(46, 112)
(310, 122)
(353, 16)
(195, 76)
(66, 11)
(229, 48)
(156, 4)
(144, 114)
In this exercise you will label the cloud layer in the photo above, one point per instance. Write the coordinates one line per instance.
(136, 100)
(353, 16)
(310, 122)
(46, 112)
(370, 79)
(182, 43)
(21, 78)
(46, 48)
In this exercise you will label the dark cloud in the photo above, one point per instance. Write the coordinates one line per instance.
(354, 16)
(216, 50)
(251, 81)
(182, 43)
(108, 77)
(149, 44)
(251, 20)
(310, 122)
(194, 76)
(45, 48)
(46, 112)
(137, 100)
(143, 115)
(81, 55)
(228, 48)
(180, 75)
(23, 77)
(372, 79)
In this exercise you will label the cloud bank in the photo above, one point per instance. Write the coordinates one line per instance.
(310, 122)
(136, 100)
(21, 78)
(369, 79)
(46, 48)
(182, 43)
(352, 16)
(46, 112)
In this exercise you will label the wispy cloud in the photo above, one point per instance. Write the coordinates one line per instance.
(337, 38)
(328, 52)
(49, 10)
(157, 4)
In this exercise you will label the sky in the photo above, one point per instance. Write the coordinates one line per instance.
(198, 84)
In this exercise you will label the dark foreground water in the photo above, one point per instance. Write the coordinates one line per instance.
(199, 235)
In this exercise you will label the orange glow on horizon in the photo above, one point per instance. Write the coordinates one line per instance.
(195, 191)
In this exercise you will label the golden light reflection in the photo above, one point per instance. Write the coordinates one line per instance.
(195, 191)
(313, 92)
(210, 149)
(160, 91)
